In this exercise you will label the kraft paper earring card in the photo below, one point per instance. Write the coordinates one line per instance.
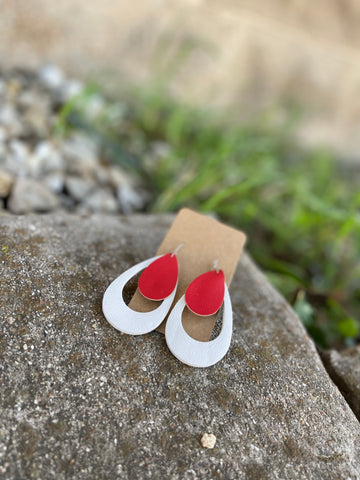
(204, 240)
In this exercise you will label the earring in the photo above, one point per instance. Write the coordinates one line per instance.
(157, 282)
(204, 296)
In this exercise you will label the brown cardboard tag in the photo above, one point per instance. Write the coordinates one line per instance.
(205, 240)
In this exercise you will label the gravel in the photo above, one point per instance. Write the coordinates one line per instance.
(71, 168)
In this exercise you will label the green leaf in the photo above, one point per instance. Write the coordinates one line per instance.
(349, 327)
(305, 311)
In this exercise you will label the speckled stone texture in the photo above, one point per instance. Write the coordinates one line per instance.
(81, 400)
(344, 369)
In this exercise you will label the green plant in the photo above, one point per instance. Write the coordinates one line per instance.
(299, 209)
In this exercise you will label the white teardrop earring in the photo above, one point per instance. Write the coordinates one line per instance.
(158, 282)
(203, 296)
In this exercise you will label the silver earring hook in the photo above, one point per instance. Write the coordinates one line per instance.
(216, 265)
(177, 249)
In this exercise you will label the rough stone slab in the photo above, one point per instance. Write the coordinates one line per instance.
(80, 400)
(344, 369)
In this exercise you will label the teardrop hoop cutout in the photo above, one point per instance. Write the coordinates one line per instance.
(193, 352)
(123, 318)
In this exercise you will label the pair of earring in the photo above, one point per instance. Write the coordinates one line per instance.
(159, 280)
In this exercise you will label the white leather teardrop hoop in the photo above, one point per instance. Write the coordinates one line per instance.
(191, 351)
(121, 317)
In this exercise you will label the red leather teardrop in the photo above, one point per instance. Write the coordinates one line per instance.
(205, 294)
(159, 279)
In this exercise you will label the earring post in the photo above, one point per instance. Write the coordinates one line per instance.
(177, 249)
(216, 265)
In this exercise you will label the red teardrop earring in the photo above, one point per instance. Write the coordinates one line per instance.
(204, 296)
(158, 280)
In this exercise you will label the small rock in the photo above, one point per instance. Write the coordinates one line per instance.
(2, 88)
(94, 106)
(344, 369)
(54, 181)
(117, 177)
(78, 187)
(81, 154)
(71, 88)
(7, 115)
(103, 175)
(67, 202)
(2, 134)
(6, 182)
(26, 99)
(161, 149)
(129, 199)
(17, 160)
(31, 196)
(10, 120)
(13, 87)
(36, 120)
(51, 77)
(19, 149)
(208, 440)
(49, 157)
(101, 200)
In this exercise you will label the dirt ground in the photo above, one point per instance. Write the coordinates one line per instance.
(249, 55)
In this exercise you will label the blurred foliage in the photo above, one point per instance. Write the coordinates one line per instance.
(300, 209)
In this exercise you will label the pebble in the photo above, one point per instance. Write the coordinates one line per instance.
(117, 177)
(7, 115)
(94, 106)
(10, 120)
(55, 181)
(72, 88)
(2, 88)
(66, 202)
(49, 157)
(36, 119)
(81, 154)
(103, 175)
(78, 187)
(31, 196)
(17, 158)
(51, 76)
(6, 182)
(160, 149)
(2, 134)
(208, 440)
(129, 199)
(101, 200)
